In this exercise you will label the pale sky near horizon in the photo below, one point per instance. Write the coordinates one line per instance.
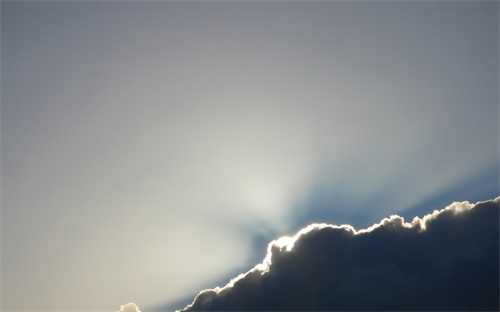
(145, 145)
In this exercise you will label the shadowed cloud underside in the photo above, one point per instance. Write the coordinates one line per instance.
(447, 260)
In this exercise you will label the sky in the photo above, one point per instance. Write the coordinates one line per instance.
(152, 149)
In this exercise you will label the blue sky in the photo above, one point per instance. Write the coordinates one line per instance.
(152, 148)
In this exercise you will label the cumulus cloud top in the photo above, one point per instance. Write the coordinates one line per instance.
(447, 260)
(129, 307)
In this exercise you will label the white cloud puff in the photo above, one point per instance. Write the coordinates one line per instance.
(129, 307)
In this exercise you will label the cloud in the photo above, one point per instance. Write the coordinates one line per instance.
(129, 307)
(447, 260)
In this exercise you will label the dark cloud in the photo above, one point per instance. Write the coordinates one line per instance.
(448, 260)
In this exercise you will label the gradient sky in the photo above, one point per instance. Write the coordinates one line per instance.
(151, 148)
